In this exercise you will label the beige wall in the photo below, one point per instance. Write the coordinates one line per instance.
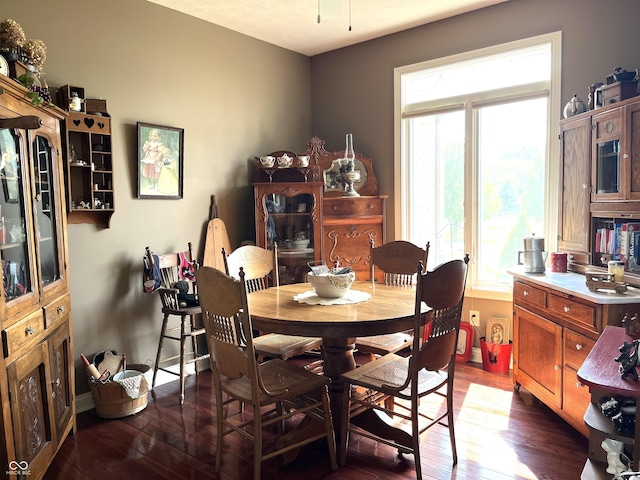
(235, 97)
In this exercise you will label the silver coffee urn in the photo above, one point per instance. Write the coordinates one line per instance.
(533, 253)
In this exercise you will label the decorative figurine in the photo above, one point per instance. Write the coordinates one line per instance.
(628, 359)
(631, 325)
(614, 449)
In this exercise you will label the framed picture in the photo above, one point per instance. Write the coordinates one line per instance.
(498, 330)
(160, 161)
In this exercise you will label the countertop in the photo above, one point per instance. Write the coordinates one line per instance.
(575, 284)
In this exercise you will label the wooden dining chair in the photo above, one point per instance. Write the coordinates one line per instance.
(287, 390)
(429, 368)
(260, 268)
(177, 292)
(397, 261)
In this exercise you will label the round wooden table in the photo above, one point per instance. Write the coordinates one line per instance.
(390, 309)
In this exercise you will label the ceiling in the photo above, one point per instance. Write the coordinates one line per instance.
(293, 24)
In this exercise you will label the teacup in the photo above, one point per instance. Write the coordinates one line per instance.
(267, 161)
(303, 160)
(285, 161)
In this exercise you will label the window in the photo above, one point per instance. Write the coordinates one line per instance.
(474, 164)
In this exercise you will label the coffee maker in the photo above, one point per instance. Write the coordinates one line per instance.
(533, 253)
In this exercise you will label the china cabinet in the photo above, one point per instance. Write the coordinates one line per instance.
(89, 164)
(36, 365)
(600, 154)
(304, 211)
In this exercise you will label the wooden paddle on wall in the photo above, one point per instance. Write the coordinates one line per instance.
(216, 239)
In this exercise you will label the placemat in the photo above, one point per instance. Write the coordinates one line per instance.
(352, 296)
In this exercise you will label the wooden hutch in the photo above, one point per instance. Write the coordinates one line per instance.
(36, 365)
(556, 319)
(303, 210)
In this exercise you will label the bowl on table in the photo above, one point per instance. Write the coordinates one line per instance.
(331, 285)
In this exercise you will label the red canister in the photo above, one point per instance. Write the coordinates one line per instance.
(559, 262)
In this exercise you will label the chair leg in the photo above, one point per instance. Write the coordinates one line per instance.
(183, 348)
(344, 425)
(328, 424)
(219, 427)
(192, 327)
(415, 427)
(158, 354)
(257, 442)
(452, 433)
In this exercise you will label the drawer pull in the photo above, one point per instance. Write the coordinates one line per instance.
(557, 367)
(525, 293)
(566, 309)
(579, 385)
(56, 382)
(579, 346)
(29, 331)
(60, 309)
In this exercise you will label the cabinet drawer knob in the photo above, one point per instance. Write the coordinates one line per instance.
(525, 293)
(579, 346)
(626, 155)
(557, 367)
(579, 385)
(28, 331)
(60, 309)
(584, 186)
(566, 309)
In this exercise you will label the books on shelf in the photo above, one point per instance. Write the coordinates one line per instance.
(626, 241)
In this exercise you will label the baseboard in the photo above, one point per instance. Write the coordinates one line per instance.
(84, 401)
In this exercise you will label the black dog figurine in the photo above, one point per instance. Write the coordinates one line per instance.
(628, 359)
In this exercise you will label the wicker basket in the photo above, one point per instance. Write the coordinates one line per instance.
(112, 400)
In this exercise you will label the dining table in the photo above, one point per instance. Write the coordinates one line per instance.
(381, 309)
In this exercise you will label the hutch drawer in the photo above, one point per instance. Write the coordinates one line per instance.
(526, 294)
(576, 348)
(57, 310)
(573, 311)
(21, 333)
(354, 206)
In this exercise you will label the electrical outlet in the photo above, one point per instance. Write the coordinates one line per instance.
(474, 318)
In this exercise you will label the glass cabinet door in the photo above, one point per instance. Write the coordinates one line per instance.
(45, 210)
(17, 271)
(290, 226)
(608, 167)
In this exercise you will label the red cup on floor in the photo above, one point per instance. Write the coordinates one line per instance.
(559, 262)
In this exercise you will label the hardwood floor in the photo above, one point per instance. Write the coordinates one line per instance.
(500, 435)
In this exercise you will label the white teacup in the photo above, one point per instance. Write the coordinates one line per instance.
(303, 160)
(285, 161)
(267, 161)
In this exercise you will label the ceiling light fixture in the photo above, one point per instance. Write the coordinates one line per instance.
(349, 14)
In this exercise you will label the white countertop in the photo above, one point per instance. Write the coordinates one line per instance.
(575, 284)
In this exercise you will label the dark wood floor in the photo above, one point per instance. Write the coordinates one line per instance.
(500, 435)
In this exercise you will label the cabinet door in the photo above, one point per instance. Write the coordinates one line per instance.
(631, 149)
(20, 290)
(47, 208)
(606, 169)
(31, 408)
(538, 356)
(62, 378)
(289, 216)
(575, 142)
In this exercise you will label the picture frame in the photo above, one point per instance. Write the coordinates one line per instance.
(160, 161)
(498, 331)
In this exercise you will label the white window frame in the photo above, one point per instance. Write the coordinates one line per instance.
(552, 167)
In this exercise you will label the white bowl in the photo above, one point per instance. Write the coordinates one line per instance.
(329, 285)
(126, 374)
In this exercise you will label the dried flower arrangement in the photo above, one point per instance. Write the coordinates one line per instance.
(37, 52)
(12, 36)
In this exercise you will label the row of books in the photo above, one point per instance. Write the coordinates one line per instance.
(622, 242)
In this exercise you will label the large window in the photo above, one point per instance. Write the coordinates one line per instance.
(475, 169)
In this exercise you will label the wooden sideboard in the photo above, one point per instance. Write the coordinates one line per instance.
(307, 204)
(556, 322)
